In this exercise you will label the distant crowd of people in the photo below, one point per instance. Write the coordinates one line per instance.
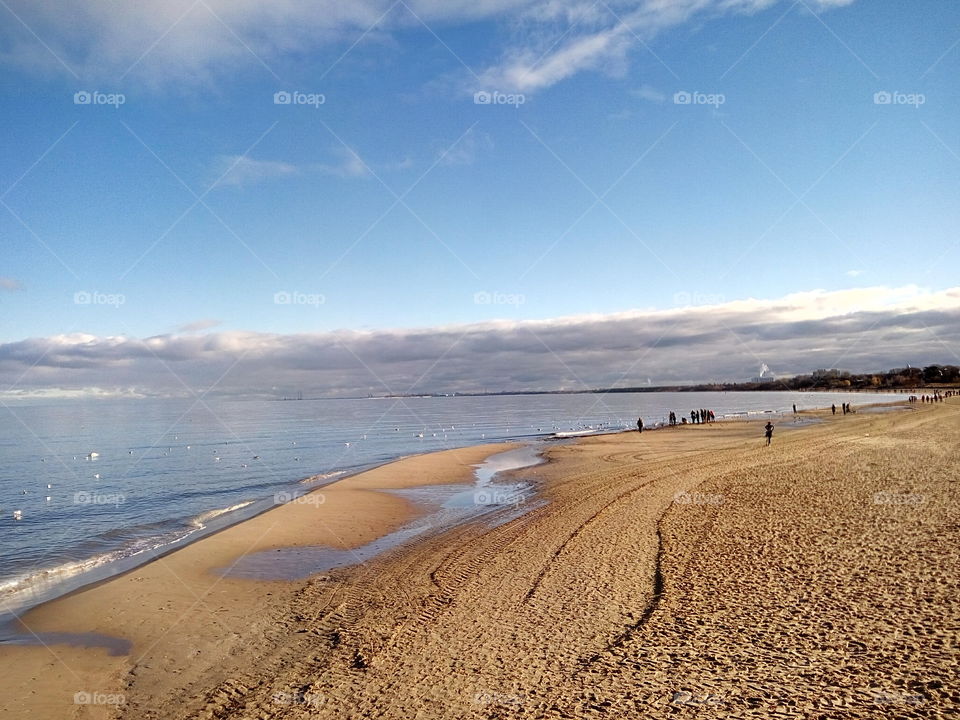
(845, 407)
(697, 417)
(936, 397)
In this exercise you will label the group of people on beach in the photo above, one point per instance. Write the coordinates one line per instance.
(843, 406)
(936, 397)
(696, 417)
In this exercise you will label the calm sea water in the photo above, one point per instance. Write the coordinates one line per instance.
(166, 472)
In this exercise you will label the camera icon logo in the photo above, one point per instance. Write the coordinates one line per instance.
(482, 97)
(82, 97)
(282, 97)
(82, 698)
(882, 98)
(82, 298)
(682, 97)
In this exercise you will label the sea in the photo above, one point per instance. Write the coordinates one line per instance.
(91, 488)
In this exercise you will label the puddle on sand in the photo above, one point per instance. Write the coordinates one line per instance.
(452, 504)
(883, 409)
(114, 646)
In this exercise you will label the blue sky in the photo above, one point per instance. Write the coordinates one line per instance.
(400, 202)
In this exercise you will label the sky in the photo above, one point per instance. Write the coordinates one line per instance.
(383, 197)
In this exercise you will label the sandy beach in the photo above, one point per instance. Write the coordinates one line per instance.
(687, 571)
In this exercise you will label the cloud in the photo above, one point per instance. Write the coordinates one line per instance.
(598, 40)
(649, 93)
(465, 150)
(349, 164)
(240, 170)
(853, 273)
(181, 42)
(198, 325)
(9, 284)
(860, 329)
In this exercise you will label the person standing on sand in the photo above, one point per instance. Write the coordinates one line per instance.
(833, 408)
(639, 424)
(768, 431)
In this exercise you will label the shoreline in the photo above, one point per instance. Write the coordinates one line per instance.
(11, 607)
(229, 612)
(104, 626)
(116, 548)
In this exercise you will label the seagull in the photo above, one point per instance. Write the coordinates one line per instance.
(17, 514)
(96, 475)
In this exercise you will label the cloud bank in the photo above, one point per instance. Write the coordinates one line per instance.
(861, 330)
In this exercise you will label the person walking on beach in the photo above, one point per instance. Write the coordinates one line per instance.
(768, 431)
(794, 408)
(639, 424)
(833, 408)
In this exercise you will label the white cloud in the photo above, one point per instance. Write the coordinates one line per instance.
(239, 170)
(198, 325)
(348, 165)
(526, 70)
(650, 93)
(465, 150)
(182, 42)
(864, 329)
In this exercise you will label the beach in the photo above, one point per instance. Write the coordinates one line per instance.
(690, 570)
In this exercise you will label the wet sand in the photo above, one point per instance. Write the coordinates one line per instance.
(684, 572)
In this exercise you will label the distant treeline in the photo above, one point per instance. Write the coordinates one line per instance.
(897, 379)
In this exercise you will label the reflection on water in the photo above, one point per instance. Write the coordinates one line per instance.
(449, 505)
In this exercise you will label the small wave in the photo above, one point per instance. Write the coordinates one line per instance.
(322, 476)
(37, 583)
(201, 520)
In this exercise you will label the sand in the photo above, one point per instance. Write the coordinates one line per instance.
(688, 571)
(181, 615)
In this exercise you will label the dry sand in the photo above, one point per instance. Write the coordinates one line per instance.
(685, 572)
